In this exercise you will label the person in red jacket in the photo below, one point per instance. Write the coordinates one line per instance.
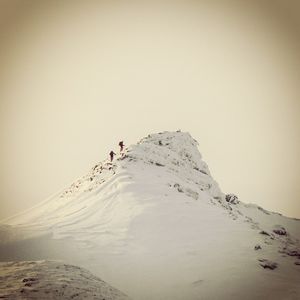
(112, 153)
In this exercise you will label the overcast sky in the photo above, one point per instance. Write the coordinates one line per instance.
(78, 76)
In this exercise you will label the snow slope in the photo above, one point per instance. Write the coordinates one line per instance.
(155, 224)
(52, 280)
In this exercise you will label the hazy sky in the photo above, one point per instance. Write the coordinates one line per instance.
(78, 76)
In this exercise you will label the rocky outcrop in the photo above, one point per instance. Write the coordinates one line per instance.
(232, 199)
(279, 230)
(257, 247)
(268, 264)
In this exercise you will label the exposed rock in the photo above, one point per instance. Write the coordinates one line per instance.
(263, 210)
(192, 193)
(178, 187)
(200, 170)
(264, 233)
(231, 198)
(257, 247)
(267, 264)
(29, 279)
(280, 230)
(291, 252)
(297, 263)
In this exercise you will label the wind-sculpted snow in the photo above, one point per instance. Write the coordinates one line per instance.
(155, 224)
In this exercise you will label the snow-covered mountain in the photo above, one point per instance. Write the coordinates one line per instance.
(155, 224)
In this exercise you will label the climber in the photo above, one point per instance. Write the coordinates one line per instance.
(121, 144)
(112, 153)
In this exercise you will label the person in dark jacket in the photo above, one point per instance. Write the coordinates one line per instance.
(121, 144)
(112, 153)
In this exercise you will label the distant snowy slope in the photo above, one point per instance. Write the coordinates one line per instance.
(155, 224)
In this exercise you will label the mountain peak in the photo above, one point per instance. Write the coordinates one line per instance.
(156, 215)
(167, 137)
(174, 150)
(172, 159)
(177, 141)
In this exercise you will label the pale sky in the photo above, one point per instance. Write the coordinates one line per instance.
(78, 76)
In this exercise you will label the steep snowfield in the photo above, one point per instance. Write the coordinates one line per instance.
(155, 225)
